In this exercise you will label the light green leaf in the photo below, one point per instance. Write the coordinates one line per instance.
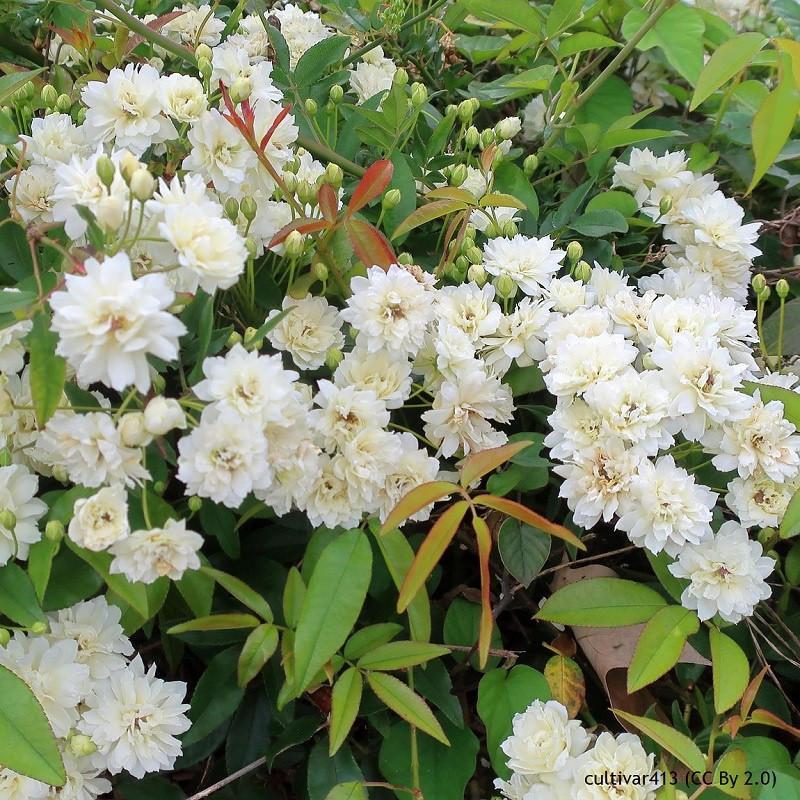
(319, 58)
(732, 767)
(361, 642)
(621, 202)
(27, 744)
(407, 703)
(256, 651)
(18, 600)
(563, 14)
(674, 742)
(400, 655)
(345, 702)
(730, 668)
(40, 564)
(501, 694)
(582, 41)
(16, 80)
(47, 370)
(729, 59)
(216, 622)
(660, 645)
(241, 591)
(602, 603)
(352, 790)
(336, 593)
(515, 13)
(197, 590)
(790, 524)
(294, 594)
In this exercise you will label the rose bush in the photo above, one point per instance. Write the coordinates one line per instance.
(399, 400)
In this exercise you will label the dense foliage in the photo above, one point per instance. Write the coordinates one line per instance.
(399, 399)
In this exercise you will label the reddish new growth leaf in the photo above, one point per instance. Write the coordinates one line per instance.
(370, 246)
(375, 180)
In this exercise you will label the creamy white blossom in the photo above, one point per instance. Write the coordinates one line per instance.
(623, 755)
(100, 520)
(531, 263)
(18, 490)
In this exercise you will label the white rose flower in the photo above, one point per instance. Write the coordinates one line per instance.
(100, 520)
(469, 308)
(759, 500)
(134, 717)
(623, 755)
(531, 263)
(389, 378)
(182, 97)
(18, 490)
(300, 29)
(413, 468)
(132, 430)
(14, 786)
(147, 555)
(195, 25)
(163, 414)
(32, 191)
(54, 137)
(328, 503)
(343, 412)
(728, 574)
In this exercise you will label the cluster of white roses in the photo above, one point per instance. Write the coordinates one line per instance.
(553, 758)
(108, 713)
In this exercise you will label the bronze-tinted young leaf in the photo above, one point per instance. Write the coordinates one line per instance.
(451, 193)
(407, 703)
(760, 716)
(500, 199)
(751, 691)
(371, 185)
(328, 202)
(524, 514)
(419, 497)
(479, 464)
(345, 702)
(431, 551)
(428, 213)
(484, 537)
(301, 225)
(370, 246)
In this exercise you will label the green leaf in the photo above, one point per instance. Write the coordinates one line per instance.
(47, 370)
(400, 655)
(40, 564)
(417, 499)
(16, 80)
(789, 12)
(660, 564)
(9, 301)
(279, 46)
(621, 202)
(367, 639)
(197, 590)
(352, 790)
(501, 694)
(27, 744)
(241, 591)
(326, 772)
(682, 747)
(660, 645)
(582, 41)
(336, 593)
(563, 14)
(428, 213)
(728, 60)
(407, 703)
(319, 58)
(216, 696)
(600, 222)
(294, 594)
(256, 651)
(679, 34)
(773, 122)
(790, 524)
(515, 13)
(733, 765)
(345, 702)
(731, 670)
(602, 603)
(523, 549)
(215, 622)
(18, 600)
(202, 336)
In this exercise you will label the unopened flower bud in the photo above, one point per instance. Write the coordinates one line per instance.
(391, 199)
(306, 193)
(234, 339)
(583, 272)
(530, 164)
(334, 175)
(465, 112)
(491, 231)
(319, 270)
(759, 283)
(507, 128)
(419, 94)
(291, 182)
(295, 244)
(195, 504)
(5, 454)
(665, 205)
(240, 90)
(574, 251)
(204, 67)
(54, 530)
(249, 338)
(133, 431)
(471, 137)
(477, 273)
(505, 286)
(458, 174)
(143, 184)
(5, 637)
(8, 519)
(159, 486)
(451, 111)
(81, 745)
(63, 103)
(486, 138)
(405, 258)
(60, 473)
(333, 358)
(49, 96)
(782, 288)
(248, 207)
(311, 106)
(105, 170)
(203, 51)
(128, 164)
(163, 414)
(400, 78)
(509, 229)
(292, 166)
(252, 247)
(336, 93)
(462, 265)
(232, 209)
(80, 117)
(38, 628)
(474, 255)
(766, 536)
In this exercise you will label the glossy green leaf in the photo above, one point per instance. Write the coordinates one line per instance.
(602, 603)
(256, 651)
(294, 593)
(40, 564)
(351, 790)
(417, 499)
(563, 14)
(47, 370)
(674, 742)
(16, 80)
(326, 771)
(216, 622)
(345, 702)
(197, 589)
(600, 222)
(523, 549)
(501, 694)
(336, 593)
(514, 13)
(660, 645)
(367, 639)
(406, 703)
(18, 600)
(728, 59)
(241, 591)
(319, 58)
(428, 213)
(400, 655)
(730, 669)
(582, 41)
(790, 524)
(27, 744)
(730, 775)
